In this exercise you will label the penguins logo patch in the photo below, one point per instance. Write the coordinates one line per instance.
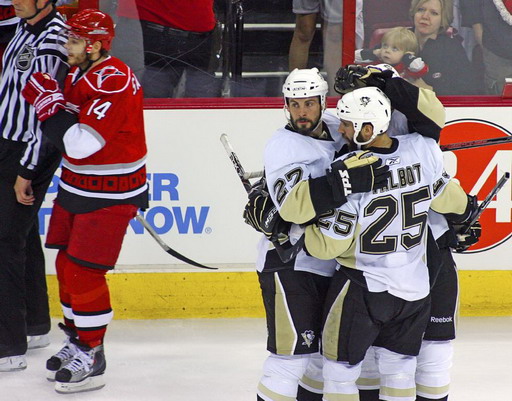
(308, 336)
(365, 100)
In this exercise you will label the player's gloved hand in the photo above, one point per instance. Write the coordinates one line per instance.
(362, 172)
(467, 236)
(413, 63)
(262, 215)
(467, 233)
(353, 77)
(43, 92)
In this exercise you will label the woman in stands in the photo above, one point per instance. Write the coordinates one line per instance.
(450, 71)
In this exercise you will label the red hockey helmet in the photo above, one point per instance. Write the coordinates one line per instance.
(92, 25)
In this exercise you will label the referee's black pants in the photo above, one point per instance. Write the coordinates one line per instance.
(16, 221)
(38, 311)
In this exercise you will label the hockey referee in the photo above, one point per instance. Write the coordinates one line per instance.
(27, 165)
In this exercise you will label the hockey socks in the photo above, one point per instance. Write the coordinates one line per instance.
(306, 395)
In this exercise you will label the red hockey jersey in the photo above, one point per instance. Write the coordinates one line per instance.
(110, 103)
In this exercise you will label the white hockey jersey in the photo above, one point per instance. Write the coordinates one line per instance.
(383, 234)
(398, 127)
(290, 159)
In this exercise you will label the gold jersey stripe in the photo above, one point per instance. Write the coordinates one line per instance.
(324, 247)
(332, 325)
(367, 382)
(428, 105)
(428, 390)
(341, 397)
(298, 206)
(452, 200)
(398, 392)
(286, 337)
(273, 395)
(315, 384)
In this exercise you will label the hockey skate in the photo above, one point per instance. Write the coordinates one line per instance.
(35, 342)
(82, 373)
(13, 363)
(66, 353)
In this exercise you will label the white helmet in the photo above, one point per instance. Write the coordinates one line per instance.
(305, 83)
(365, 106)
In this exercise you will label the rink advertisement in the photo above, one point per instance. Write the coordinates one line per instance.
(197, 199)
(478, 170)
(197, 202)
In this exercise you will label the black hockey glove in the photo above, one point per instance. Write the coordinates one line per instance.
(467, 236)
(353, 77)
(466, 232)
(362, 172)
(262, 215)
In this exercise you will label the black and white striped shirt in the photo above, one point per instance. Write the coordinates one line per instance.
(33, 48)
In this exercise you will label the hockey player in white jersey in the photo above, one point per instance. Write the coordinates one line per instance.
(296, 159)
(435, 357)
(380, 294)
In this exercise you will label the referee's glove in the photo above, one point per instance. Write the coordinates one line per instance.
(43, 92)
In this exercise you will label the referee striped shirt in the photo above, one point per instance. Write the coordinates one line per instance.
(33, 48)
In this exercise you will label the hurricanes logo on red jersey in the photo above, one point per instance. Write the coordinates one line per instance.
(478, 170)
(105, 73)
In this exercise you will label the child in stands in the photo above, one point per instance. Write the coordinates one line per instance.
(398, 48)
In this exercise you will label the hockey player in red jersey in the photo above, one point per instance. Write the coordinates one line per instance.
(98, 125)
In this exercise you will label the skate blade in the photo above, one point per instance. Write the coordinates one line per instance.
(13, 369)
(50, 375)
(89, 384)
(13, 364)
(38, 346)
(37, 342)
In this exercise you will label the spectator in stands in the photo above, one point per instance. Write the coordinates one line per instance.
(127, 44)
(378, 14)
(359, 24)
(306, 12)
(450, 72)
(398, 48)
(468, 37)
(492, 24)
(178, 39)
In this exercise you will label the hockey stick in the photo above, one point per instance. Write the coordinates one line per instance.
(236, 163)
(476, 144)
(166, 247)
(504, 178)
(285, 253)
(253, 174)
